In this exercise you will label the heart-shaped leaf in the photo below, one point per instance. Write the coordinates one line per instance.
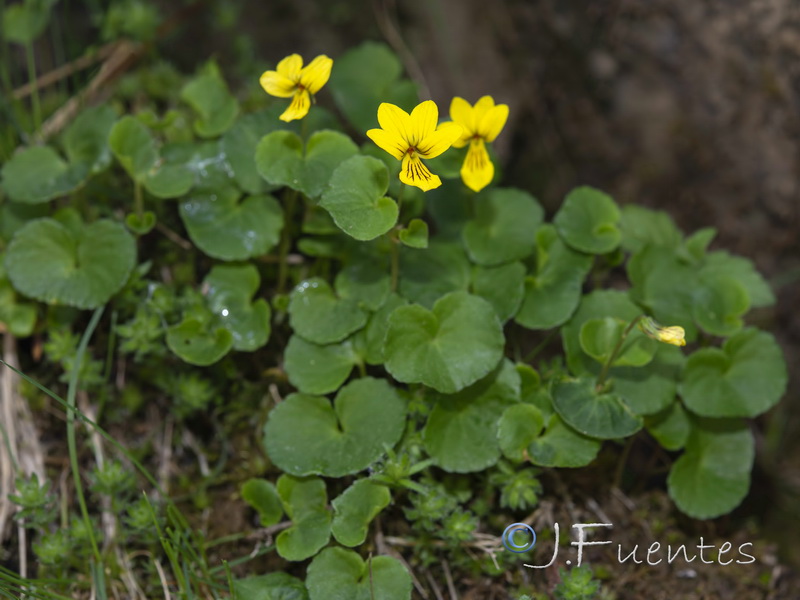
(642, 226)
(263, 496)
(86, 139)
(194, 342)
(230, 293)
(415, 235)
(281, 161)
(305, 435)
(316, 314)
(561, 446)
(208, 95)
(356, 201)
(38, 174)
(518, 427)
(316, 369)
(427, 276)
(461, 432)
(340, 574)
(501, 229)
(141, 224)
(375, 331)
(719, 305)
(670, 427)
(652, 388)
(49, 262)
(743, 379)
(239, 147)
(364, 281)
(448, 348)
(355, 509)
(304, 501)
(553, 290)
(588, 221)
(596, 414)
(366, 76)
(501, 286)
(18, 317)
(273, 586)
(712, 476)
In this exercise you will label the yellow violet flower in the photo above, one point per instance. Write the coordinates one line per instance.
(669, 335)
(412, 137)
(291, 79)
(481, 124)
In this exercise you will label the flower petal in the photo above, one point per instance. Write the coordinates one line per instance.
(482, 106)
(276, 84)
(394, 120)
(440, 140)
(493, 122)
(298, 108)
(388, 142)
(316, 74)
(414, 172)
(477, 171)
(461, 113)
(423, 121)
(290, 67)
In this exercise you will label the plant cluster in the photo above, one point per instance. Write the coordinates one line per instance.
(399, 295)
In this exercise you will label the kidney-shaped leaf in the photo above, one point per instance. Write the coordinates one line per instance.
(49, 262)
(306, 435)
(230, 293)
(39, 174)
(355, 508)
(340, 574)
(195, 343)
(208, 95)
(305, 502)
(596, 414)
(588, 221)
(316, 314)
(448, 348)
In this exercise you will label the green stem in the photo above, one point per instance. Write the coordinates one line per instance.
(138, 200)
(37, 107)
(615, 352)
(395, 257)
(286, 240)
(73, 452)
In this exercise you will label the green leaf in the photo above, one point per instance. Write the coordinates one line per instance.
(415, 235)
(273, 586)
(458, 342)
(281, 161)
(650, 389)
(366, 76)
(316, 314)
(340, 574)
(356, 201)
(193, 342)
(502, 287)
(25, 21)
(712, 476)
(230, 292)
(670, 427)
(588, 220)
(263, 496)
(227, 227)
(86, 139)
(141, 225)
(519, 426)
(239, 147)
(13, 216)
(375, 331)
(50, 263)
(719, 305)
(355, 509)
(553, 290)
(133, 146)
(305, 435)
(365, 282)
(596, 414)
(18, 317)
(38, 174)
(501, 229)
(305, 503)
(599, 337)
(315, 369)
(427, 276)
(642, 226)
(743, 379)
(561, 446)
(461, 431)
(216, 108)
(718, 264)
(203, 163)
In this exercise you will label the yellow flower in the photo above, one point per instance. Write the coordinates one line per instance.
(412, 137)
(669, 335)
(293, 80)
(481, 124)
